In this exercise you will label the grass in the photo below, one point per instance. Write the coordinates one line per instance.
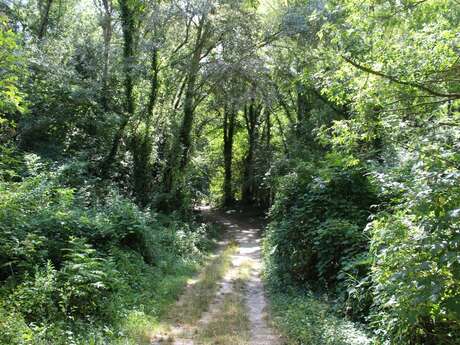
(140, 327)
(201, 292)
(230, 326)
(160, 308)
(305, 319)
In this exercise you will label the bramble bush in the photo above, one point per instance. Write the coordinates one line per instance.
(316, 241)
(397, 270)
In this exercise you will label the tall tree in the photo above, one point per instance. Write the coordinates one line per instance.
(252, 113)
(229, 131)
(45, 10)
(129, 26)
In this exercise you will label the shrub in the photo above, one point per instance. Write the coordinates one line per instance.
(416, 280)
(307, 320)
(86, 280)
(37, 297)
(39, 218)
(355, 297)
(72, 266)
(13, 328)
(317, 226)
(415, 248)
(337, 242)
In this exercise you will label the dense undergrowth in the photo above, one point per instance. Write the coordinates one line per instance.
(382, 250)
(76, 269)
(315, 244)
(306, 319)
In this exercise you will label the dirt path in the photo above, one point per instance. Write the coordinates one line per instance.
(248, 236)
(248, 258)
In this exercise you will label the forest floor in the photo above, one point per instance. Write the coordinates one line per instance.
(226, 303)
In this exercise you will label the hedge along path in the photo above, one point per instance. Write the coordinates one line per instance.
(241, 284)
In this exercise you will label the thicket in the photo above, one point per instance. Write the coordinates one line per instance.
(382, 246)
(368, 215)
(316, 231)
(387, 259)
(68, 261)
(91, 251)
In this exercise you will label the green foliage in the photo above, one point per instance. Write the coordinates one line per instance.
(87, 279)
(37, 297)
(14, 328)
(416, 268)
(316, 238)
(64, 263)
(12, 103)
(306, 319)
(354, 144)
(372, 63)
(11, 70)
(317, 226)
(416, 281)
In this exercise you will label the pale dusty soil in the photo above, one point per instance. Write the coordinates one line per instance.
(246, 233)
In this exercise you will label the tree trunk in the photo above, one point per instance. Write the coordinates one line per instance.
(44, 18)
(229, 128)
(251, 117)
(179, 154)
(128, 26)
(185, 141)
(107, 35)
(268, 132)
(142, 143)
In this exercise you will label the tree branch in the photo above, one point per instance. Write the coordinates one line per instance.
(402, 82)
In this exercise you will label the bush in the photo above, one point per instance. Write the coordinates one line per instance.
(39, 218)
(86, 278)
(415, 249)
(37, 297)
(337, 242)
(317, 226)
(71, 264)
(307, 320)
(13, 328)
(416, 280)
